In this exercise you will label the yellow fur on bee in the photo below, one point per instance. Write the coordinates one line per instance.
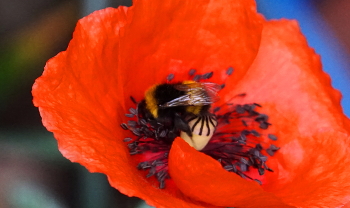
(188, 82)
(151, 102)
(194, 109)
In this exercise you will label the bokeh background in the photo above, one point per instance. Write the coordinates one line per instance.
(33, 174)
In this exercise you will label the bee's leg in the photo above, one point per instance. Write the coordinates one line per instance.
(181, 124)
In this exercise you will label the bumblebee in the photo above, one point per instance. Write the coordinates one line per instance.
(183, 109)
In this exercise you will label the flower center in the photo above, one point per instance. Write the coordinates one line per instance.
(229, 133)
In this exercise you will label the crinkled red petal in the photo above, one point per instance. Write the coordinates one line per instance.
(287, 80)
(174, 36)
(78, 103)
(116, 53)
(202, 178)
(81, 102)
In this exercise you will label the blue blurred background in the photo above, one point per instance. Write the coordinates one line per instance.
(33, 174)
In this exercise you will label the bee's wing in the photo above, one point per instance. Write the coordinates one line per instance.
(212, 90)
(197, 94)
(180, 101)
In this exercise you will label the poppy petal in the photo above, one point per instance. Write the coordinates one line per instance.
(287, 80)
(199, 176)
(84, 108)
(321, 178)
(117, 53)
(174, 36)
(77, 102)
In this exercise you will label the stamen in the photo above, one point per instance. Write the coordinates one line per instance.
(127, 139)
(236, 147)
(272, 137)
(229, 71)
(192, 72)
(208, 75)
(235, 135)
(170, 77)
(216, 109)
(124, 126)
(272, 149)
(197, 78)
(133, 99)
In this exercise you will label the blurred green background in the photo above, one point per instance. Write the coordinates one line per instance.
(33, 174)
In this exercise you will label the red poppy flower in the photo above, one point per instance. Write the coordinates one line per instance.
(84, 93)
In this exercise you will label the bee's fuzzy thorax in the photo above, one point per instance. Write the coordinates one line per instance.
(159, 94)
